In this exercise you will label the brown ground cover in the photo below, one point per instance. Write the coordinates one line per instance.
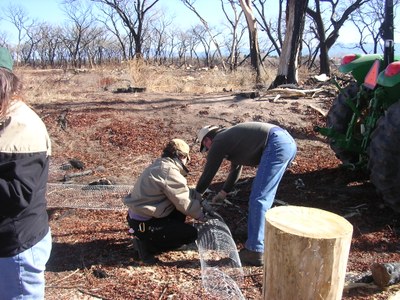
(116, 135)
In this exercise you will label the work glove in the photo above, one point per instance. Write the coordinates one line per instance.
(209, 210)
(219, 198)
(203, 218)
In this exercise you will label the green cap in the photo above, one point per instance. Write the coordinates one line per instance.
(5, 59)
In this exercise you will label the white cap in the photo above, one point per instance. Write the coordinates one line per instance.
(202, 134)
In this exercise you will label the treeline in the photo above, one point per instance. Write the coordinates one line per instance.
(104, 31)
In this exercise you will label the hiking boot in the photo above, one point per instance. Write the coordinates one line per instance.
(141, 252)
(248, 257)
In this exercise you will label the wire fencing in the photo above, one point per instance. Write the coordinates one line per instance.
(221, 269)
(107, 197)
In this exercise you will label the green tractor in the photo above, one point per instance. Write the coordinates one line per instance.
(363, 124)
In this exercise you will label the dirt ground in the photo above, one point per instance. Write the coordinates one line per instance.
(116, 135)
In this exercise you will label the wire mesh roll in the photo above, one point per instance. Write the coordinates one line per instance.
(221, 269)
(107, 197)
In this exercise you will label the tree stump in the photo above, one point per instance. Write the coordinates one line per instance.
(306, 252)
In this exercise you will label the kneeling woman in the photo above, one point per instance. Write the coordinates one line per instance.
(160, 201)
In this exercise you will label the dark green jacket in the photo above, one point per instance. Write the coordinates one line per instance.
(242, 145)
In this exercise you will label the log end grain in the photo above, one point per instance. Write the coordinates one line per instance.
(308, 222)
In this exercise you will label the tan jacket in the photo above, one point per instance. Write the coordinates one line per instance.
(162, 187)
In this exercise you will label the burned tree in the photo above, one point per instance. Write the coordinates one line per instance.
(288, 61)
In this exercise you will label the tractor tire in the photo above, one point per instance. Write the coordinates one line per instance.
(338, 117)
(384, 157)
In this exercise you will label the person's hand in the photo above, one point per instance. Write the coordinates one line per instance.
(203, 218)
(219, 198)
(209, 210)
(194, 195)
(206, 206)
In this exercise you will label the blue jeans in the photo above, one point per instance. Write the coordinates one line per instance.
(278, 154)
(22, 276)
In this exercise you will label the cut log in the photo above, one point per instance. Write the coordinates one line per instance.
(385, 274)
(306, 252)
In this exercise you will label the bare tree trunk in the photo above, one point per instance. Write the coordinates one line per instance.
(320, 31)
(288, 61)
(253, 37)
(327, 40)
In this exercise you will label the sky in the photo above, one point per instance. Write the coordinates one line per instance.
(50, 11)
(43, 10)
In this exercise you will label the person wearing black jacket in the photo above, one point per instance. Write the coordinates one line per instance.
(25, 148)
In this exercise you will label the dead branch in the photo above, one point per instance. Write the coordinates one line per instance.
(62, 279)
(93, 294)
(191, 275)
(64, 287)
(296, 92)
(275, 98)
(321, 111)
(355, 285)
(163, 291)
(253, 275)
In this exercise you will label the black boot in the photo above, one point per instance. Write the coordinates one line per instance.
(141, 251)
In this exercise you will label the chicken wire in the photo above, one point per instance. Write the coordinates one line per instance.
(108, 197)
(221, 269)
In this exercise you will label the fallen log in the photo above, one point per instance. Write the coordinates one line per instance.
(285, 92)
(385, 274)
(306, 252)
(249, 94)
(72, 175)
(130, 90)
